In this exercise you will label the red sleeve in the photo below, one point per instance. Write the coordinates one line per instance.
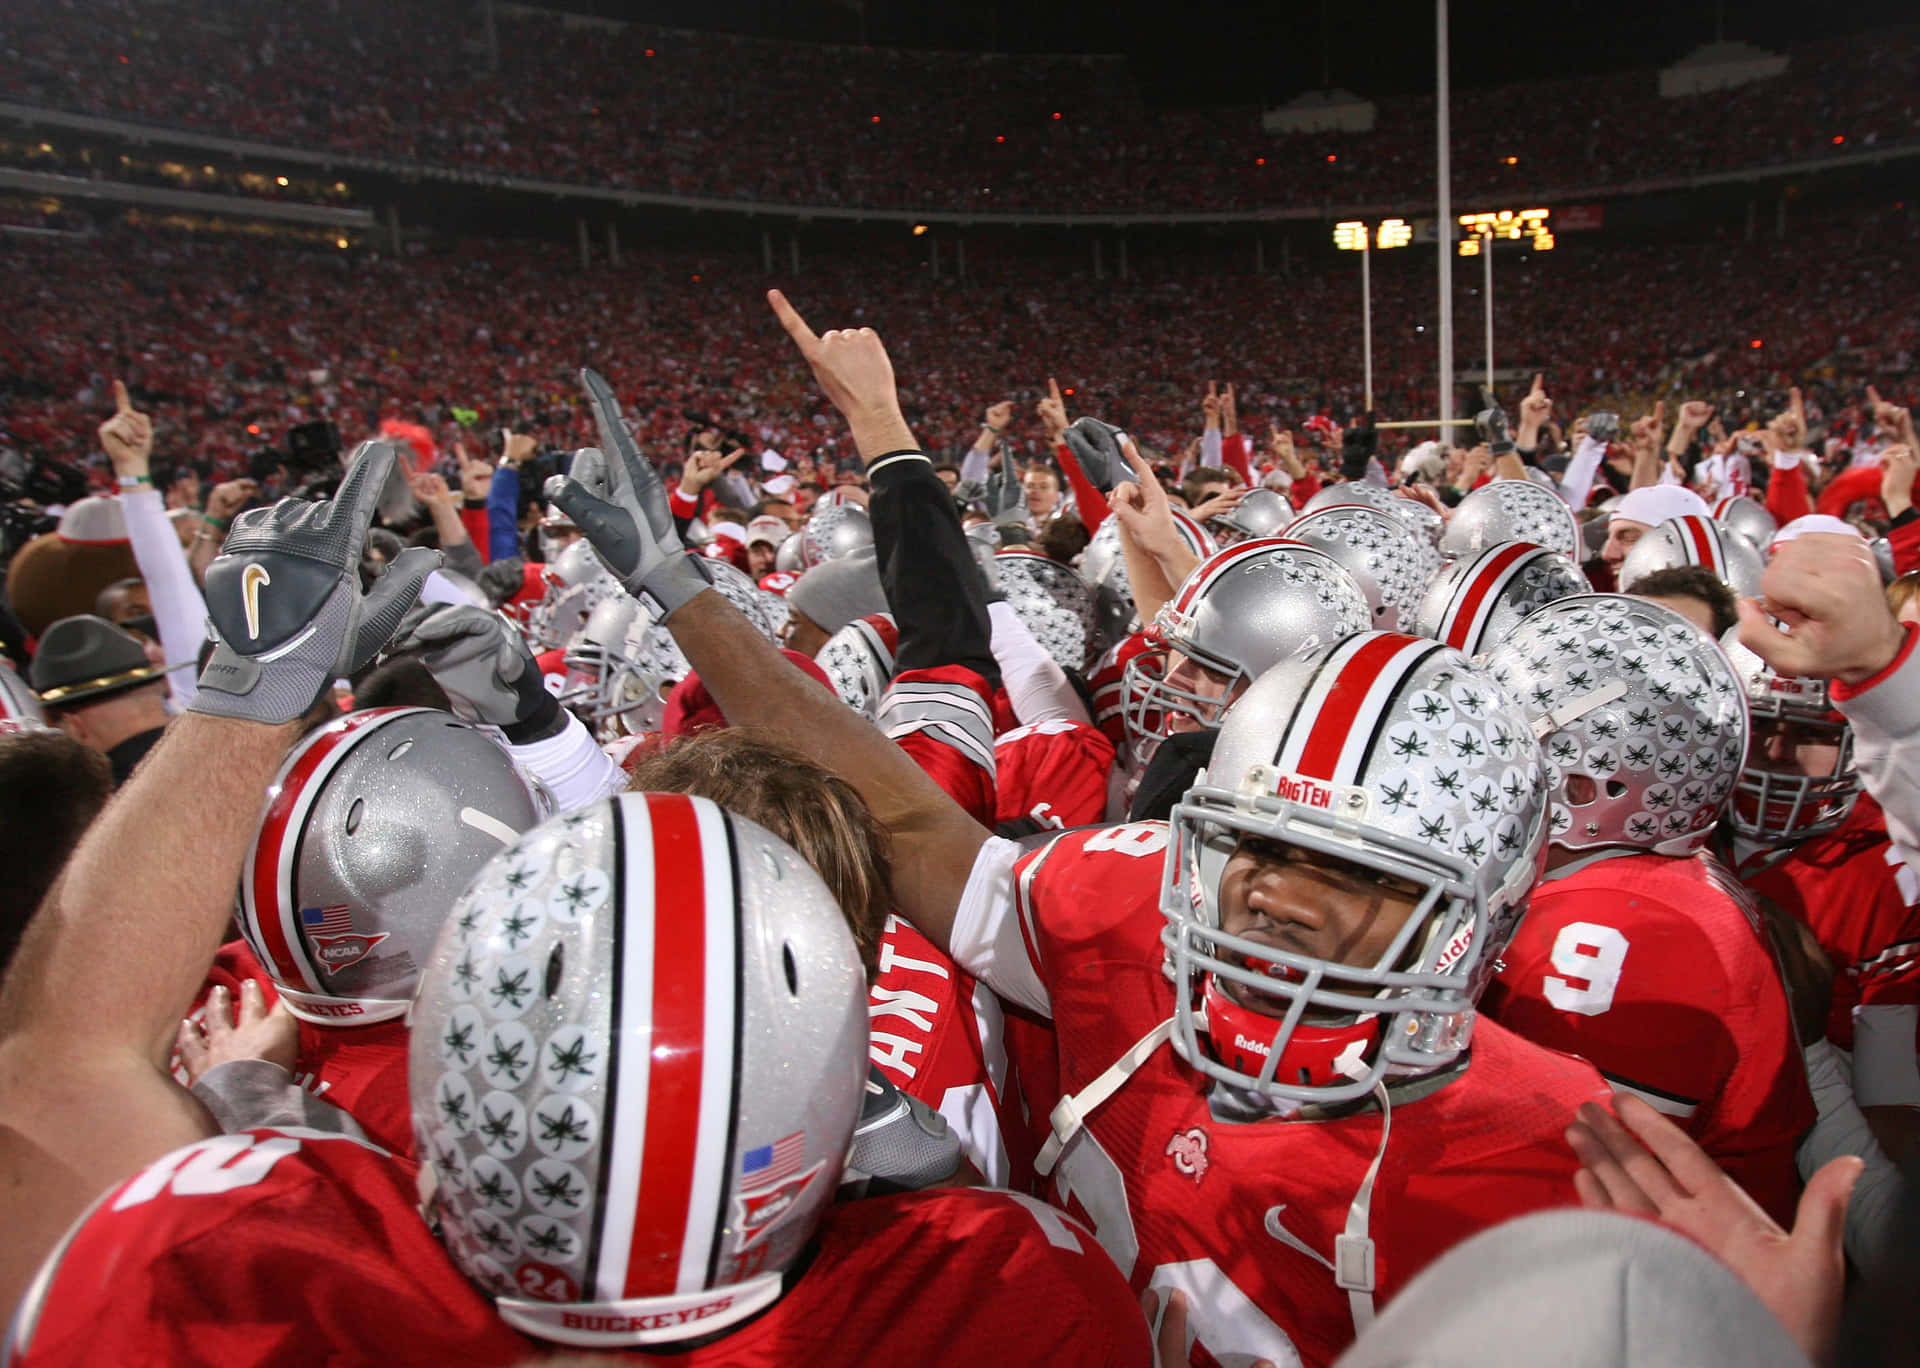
(1090, 501)
(478, 530)
(1303, 489)
(1849, 486)
(1905, 544)
(1233, 451)
(1787, 497)
(1054, 773)
(943, 718)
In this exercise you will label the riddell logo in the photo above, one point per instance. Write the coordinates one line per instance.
(1259, 1047)
(661, 1320)
(343, 952)
(1455, 947)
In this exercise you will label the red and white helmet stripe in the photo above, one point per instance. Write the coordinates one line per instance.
(1479, 593)
(1700, 541)
(1332, 730)
(666, 1148)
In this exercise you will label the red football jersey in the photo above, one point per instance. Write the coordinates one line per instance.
(1862, 901)
(1244, 1215)
(1108, 686)
(360, 1069)
(1053, 772)
(1656, 968)
(943, 718)
(288, 1248)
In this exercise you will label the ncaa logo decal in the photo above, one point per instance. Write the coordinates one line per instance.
(755, 1214)
(1188, 1150)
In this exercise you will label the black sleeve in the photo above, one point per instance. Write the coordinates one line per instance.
(934, 588)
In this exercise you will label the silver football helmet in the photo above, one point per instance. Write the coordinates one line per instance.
(372, 827)
(638, 1056)
(1785, 805)
(1642, 721)
(1749, 518)
(833, 532)
(1410, 511)
(858, 660)
(1512, 511)
(1051, 600)
(576, 583)
(1104, 567)
(651, 662)
(1260, 513)
(19, 705)
(1478, 600)
(591, 656)
(1376, 549)
(788, 559)
(1386, 752)
(1241, 612)
(1694, 540)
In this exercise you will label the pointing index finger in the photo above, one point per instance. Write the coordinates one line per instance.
(795, 325)
(1053, 391)
(1539, 383)
(122, 402)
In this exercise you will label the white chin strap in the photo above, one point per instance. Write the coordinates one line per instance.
(1070, 1114)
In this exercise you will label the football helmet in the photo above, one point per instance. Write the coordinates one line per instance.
(1241, 612)
(637, 1060)
(788, 558)
(1376, 549)
(1784, 805)
(373, 826)
(19, 705)
(1410, 511)
(1051, 600)
(1512, 511)
(591, 655)
(576, 583)
(1261, 513)
(1478, 600)
(858, 660)
(1103, 565)
(1641, 718)
(832, 532)
(1386, 752)
(651, 662)
(1749, 518)
(1693, 540)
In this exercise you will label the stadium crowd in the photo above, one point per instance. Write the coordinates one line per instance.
(639, 108)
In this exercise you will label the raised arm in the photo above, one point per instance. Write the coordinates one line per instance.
(111, 962)
(622, 509)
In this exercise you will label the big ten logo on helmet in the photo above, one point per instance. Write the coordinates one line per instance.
(1266, 781)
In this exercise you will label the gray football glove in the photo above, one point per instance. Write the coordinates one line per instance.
(1006, 497)
(1603, 427)
(1096, 445)
(616, 497)
(284, 602)
(1495, 429)
(488, 673)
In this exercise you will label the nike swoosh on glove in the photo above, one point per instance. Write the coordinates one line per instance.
(616, 497)
(284, 601)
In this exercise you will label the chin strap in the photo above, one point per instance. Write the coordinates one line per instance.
(1353, 1247)
(1071, 1112)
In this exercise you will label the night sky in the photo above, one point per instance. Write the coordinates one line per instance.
(1197, 52)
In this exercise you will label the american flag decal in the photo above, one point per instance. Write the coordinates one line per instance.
(327, 921)
(771, 1163)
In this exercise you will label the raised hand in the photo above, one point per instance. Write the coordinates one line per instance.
(703, 467)
(1210, 406)
(1052, 411)
(1894, 421)
(999, 415)
(127, 437)
(1535, 409)
(1898, 465)
(855, 374)
(431, 490)
(1281, 445)
(1219, 504)
(480, 660)
(1694, 414)
(1097, 445)
(1635, 1160)
(1142, 506)
(1006, 497)
(476, 474)
(1825, 587)
(225, 1033)
(284, 598)
(1229, 415)
(615, 495)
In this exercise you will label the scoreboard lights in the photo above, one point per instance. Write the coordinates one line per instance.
(1512, 224)
(1517, 225)
(1352, 235)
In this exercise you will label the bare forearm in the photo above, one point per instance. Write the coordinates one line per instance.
(756, 686)
(1646, 465)
(136, 917)
(1147, 577)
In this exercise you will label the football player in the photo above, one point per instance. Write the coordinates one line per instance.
(1642, 953)
(1332, 908)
